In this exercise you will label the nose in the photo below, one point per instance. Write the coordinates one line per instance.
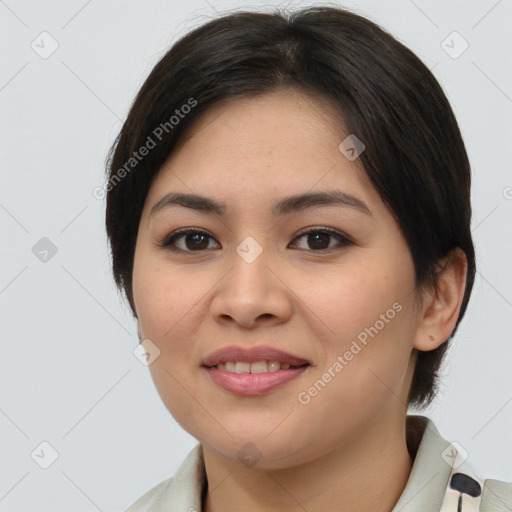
(251, 293)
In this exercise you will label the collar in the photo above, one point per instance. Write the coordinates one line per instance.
(425, 488)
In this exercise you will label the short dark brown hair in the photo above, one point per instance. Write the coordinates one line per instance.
(414, 157)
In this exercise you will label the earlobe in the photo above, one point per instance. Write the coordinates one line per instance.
(441, 306)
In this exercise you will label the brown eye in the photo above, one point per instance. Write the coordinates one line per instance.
(195, 240)
(319, 239)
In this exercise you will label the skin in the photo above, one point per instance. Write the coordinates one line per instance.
(346, 448)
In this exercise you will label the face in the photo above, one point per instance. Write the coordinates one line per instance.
(332, 284)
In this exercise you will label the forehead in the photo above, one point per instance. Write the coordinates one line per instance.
(274, 144)
(284, 118)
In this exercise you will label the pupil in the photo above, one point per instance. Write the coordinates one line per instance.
(320, 235)
(197, 238)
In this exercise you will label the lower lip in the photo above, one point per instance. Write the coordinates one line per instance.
(253, 384)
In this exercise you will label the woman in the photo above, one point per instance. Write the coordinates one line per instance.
(288, 212)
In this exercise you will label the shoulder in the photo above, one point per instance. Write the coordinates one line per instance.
(496, 496)
(152, 500)
(449, 475)
(182, 492)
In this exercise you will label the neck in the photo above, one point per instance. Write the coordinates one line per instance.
(368, 473)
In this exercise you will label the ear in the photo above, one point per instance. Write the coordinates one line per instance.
(441, 305)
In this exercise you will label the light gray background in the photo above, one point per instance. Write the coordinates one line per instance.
(68, 373)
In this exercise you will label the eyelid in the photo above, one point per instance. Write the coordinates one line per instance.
(343, 239)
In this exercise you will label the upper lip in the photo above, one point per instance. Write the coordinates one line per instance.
(252, 355)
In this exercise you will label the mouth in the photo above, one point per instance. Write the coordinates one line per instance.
(260, 359)
(253, 371)
(256, 367)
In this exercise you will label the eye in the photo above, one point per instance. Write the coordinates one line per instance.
(197, 240)
(195, 236)
(319, 238)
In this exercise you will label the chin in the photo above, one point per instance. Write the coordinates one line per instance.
(278, 450)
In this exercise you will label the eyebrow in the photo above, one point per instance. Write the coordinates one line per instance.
(285, 206)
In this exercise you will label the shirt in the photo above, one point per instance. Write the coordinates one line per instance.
(428, 489)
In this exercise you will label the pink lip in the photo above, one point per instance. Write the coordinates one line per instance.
(252, 355)
(253, 384)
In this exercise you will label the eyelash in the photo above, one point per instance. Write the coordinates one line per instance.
(343, 241)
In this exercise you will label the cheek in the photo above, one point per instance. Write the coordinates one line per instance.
(162, 299)
(170, 311)
(165, 307)
(370, 325)
(350, 299)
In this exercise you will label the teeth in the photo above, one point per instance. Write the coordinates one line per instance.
(242, 367)
(259, 367)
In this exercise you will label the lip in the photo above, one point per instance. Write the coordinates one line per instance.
(253, 384)
(252, 355)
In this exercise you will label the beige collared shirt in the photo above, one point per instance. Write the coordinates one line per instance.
(425, 490)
